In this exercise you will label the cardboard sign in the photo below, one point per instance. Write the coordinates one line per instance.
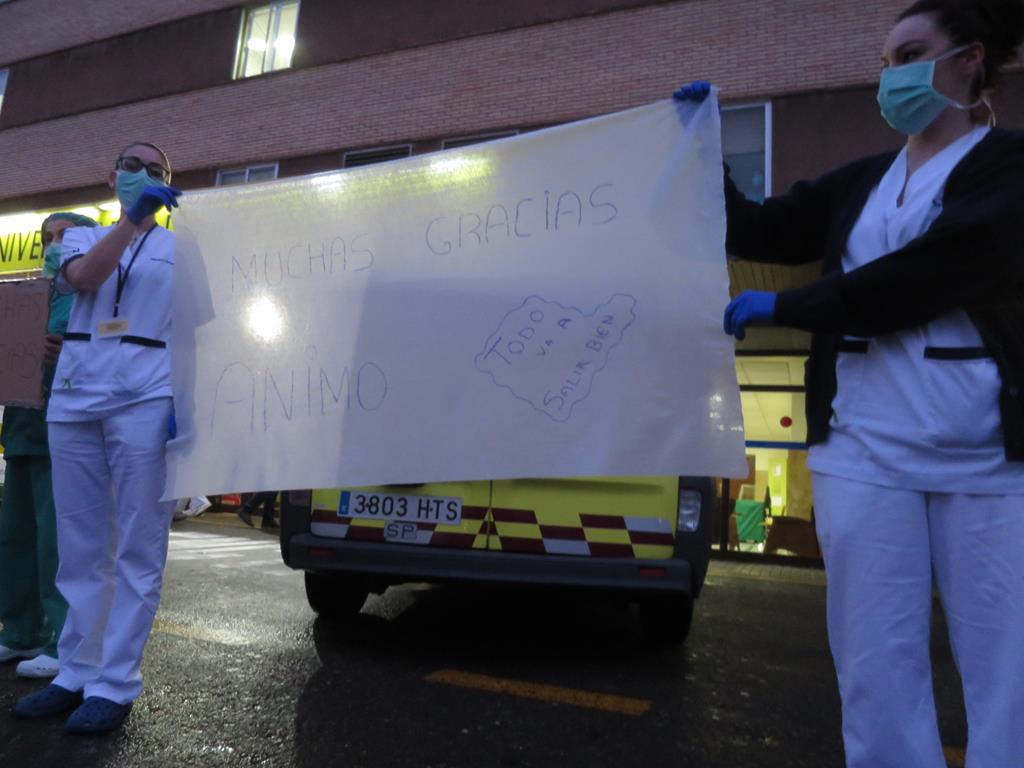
(24, 313)
(548, 305)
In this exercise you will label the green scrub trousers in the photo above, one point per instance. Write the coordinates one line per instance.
(31, 609)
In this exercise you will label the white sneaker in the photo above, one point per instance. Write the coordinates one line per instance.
(41, 666)
(197, 506)
(10, 654)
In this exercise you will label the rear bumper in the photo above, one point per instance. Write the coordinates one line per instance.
(403, 563)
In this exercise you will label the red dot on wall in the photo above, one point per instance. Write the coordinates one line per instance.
(786, 422)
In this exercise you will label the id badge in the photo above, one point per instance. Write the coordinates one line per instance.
(117, 326)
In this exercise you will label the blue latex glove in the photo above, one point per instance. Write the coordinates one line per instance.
(172, 427)
(696, 91)
(749, 308)
(152, 200)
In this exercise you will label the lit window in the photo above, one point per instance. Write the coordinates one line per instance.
(3, 86)
(746, 147)
(267, 40)
(249, 174)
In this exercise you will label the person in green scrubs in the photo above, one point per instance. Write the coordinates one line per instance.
(31, 609)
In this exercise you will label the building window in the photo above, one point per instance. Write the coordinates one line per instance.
(379, 155)
(466, 141)
(3, 86)
(267, 39)
(746, 146)
(249, 174)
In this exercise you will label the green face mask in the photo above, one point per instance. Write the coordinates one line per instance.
(51, 260)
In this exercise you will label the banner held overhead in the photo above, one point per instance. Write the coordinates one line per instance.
(540, 306)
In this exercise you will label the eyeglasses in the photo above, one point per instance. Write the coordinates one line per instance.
(132, 164)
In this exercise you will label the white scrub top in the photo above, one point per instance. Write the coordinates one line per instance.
(104, 365)
(901, 418)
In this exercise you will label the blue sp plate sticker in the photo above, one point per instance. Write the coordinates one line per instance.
(343, 506)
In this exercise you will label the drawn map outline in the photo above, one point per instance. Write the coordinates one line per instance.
(496, 337)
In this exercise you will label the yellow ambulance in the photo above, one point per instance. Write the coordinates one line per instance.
(645, 538)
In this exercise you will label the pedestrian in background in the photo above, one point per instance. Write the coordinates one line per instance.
(32, 610)
(915, 387)
(266, 499)
(109, 420)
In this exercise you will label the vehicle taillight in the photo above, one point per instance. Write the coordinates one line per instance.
(653, 572)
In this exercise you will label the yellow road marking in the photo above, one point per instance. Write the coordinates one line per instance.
(191, 633)
(553, 693)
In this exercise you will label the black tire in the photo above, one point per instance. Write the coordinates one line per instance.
(666, 619)
(336, 596)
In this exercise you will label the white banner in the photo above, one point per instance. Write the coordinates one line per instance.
(541, 306)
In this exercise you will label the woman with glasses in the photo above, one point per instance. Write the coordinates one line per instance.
(915, 387)
(109, 417)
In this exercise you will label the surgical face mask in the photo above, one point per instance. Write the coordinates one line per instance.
(908, 97)
(51, 260)
(129, 186)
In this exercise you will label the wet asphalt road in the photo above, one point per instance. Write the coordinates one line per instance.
(239, 672)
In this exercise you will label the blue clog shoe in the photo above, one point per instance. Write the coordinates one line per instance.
(52, 700)
(97, 715)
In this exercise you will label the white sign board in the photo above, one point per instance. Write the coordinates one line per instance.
(541, 306)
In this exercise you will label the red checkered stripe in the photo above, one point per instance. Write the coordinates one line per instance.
(543, 538)
(628, 532)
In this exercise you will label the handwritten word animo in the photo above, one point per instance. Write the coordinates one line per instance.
(259, 399)
(548, 354)
(300, 261)
(527, 217)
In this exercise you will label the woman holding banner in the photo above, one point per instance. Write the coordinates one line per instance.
(915, 386)
(109, 418)
(31, 609)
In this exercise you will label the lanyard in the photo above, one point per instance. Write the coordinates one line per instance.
(122, 274)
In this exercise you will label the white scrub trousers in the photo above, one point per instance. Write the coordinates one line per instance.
(112, 532)
(882, 548)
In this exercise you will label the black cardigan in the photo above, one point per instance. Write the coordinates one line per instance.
(972, 258)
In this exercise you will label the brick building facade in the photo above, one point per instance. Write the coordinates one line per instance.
(400, 71)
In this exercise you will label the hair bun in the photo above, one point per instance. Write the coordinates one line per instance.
(997, 24)
(1005, 21)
